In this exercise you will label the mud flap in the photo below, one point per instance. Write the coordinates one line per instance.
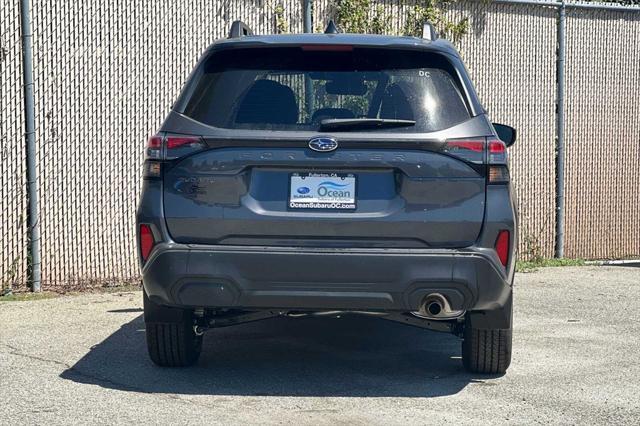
(501, 318)
(154, 313)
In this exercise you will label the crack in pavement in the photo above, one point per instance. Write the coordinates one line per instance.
(74, 371)
(15, 351)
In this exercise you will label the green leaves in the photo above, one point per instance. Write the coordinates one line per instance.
(354, 16)
(363, 16)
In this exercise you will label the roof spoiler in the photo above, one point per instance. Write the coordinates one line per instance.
(429, 32)
(239, 29)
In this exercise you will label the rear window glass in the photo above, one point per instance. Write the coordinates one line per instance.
(291, 88)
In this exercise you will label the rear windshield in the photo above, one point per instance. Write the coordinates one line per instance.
(296, 88)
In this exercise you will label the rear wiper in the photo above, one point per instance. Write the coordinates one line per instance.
(362, 123)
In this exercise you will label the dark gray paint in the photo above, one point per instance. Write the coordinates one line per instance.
(387, 280)
(418, 197)
(181, 124)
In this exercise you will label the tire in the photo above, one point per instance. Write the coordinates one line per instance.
(486, 351)
(172, 343)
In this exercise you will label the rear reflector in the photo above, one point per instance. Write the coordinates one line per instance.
(502, 247)
(146, 241)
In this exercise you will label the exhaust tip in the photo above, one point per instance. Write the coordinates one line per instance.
(436, 306)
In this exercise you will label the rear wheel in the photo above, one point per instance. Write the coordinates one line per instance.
(171, 342)
(486, 351)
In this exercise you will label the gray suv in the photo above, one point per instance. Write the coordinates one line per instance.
(327, 174)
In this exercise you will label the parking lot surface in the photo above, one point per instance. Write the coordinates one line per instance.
(82, 359)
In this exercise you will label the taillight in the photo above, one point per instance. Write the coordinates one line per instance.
(171, 147)
(154, 148)
(152, 168)
(179, 146)
(471, 150)
(497, 159)
(491, 151)
(497, 151)
(498, 174)
(502, 247)
(146, 241)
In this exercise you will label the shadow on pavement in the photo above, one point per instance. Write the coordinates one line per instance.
(349, 356)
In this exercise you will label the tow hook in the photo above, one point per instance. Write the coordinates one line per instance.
(199, 329)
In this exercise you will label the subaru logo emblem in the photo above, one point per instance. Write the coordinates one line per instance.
(323, 144)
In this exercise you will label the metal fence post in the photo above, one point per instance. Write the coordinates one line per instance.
(560, 64)
(308, 84)
(307, 12)
(33, 217)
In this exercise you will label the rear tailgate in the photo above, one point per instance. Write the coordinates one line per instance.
(403, 197)
(394, 185)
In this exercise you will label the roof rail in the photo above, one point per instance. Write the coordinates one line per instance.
(332, 28)
(429, 32)
(239, 29)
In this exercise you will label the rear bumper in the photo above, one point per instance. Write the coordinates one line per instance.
(318, 279)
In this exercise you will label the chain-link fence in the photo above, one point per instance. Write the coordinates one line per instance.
(511, 55)
(602, 134)
(13, 247)
(106, 73)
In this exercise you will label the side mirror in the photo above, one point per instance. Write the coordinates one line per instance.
(507, 134)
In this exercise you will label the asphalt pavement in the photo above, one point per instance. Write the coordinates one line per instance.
(576, 360)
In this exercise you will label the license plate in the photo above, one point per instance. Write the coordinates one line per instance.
(323, 191)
